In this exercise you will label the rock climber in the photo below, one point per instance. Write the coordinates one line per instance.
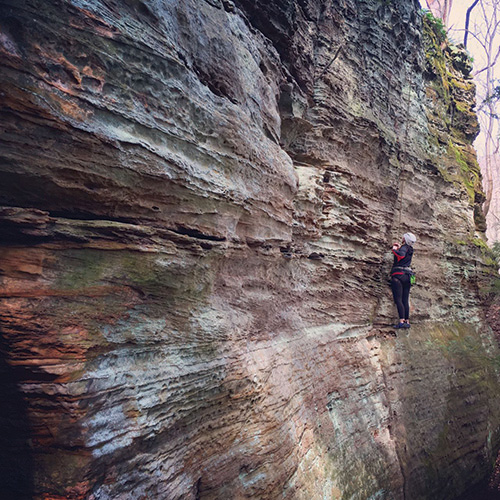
(401, 278)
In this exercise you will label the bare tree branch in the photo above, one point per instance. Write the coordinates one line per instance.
(471, 33)
(467, 20)
(489, 65)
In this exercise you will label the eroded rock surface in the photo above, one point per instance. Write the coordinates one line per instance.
(198, 201)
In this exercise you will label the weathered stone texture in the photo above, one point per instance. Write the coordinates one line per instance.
(198, 199)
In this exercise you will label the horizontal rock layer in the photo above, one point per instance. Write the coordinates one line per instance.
(198, 198)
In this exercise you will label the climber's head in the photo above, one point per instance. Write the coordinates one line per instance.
(409, 238)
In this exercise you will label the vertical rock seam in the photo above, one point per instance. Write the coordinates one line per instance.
(197, 201)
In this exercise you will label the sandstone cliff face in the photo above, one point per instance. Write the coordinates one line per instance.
(199, 197)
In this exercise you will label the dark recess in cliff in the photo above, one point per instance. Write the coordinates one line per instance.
(16, 463)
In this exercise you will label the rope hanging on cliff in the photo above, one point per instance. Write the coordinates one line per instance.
(399, 202)
(325, 69)
(402, 172)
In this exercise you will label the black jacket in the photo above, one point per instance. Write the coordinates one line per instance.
(402, 256)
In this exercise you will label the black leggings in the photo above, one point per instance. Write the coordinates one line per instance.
(400, 285)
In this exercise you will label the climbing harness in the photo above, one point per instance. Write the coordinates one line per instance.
(406, 270)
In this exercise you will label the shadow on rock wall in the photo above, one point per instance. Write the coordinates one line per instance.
(16, 460)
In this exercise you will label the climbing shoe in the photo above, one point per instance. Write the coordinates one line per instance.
(402, 325)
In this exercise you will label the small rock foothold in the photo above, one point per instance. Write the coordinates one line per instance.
(228, 5)
(316, 256)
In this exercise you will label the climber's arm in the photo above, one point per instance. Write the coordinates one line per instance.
(399, 253)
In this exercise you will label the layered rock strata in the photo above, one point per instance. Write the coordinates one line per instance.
(198, 198)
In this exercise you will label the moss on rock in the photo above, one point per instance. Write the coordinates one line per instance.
(452, 120)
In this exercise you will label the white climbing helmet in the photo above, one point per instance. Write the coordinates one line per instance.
(409, 238)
